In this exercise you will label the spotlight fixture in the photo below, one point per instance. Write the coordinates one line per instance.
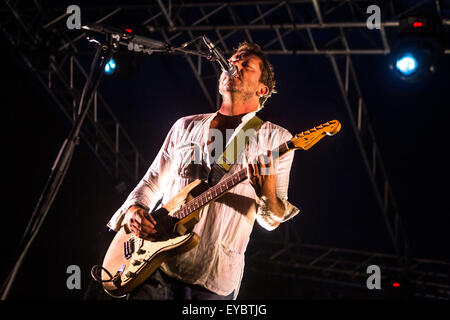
(417, 49)
(407, 64)
(110, 66)
(126, 63)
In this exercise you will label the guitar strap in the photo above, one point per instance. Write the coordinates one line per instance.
(233, 150)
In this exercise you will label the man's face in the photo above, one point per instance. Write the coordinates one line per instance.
(246, 83)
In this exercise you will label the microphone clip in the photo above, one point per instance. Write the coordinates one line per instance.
(227, 67)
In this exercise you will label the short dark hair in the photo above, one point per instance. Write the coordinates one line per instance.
(267, 74)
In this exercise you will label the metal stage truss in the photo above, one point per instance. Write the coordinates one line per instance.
(335, 29)
(63, 77)
(283, 254)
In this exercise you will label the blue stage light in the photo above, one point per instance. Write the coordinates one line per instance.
(417, 49)
(407, 64)
(110, 66)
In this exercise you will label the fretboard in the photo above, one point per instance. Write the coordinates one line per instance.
(222, 187)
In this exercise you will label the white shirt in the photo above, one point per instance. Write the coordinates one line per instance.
(217, 262)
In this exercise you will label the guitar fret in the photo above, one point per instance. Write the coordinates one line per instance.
(213, 192)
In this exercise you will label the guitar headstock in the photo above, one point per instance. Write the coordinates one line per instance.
(308, 138)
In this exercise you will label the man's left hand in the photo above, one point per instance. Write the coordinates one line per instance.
(262, 175)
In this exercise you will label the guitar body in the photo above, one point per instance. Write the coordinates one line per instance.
(130, 260)
(133, 270)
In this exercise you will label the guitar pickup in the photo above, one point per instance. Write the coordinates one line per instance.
(127, 250)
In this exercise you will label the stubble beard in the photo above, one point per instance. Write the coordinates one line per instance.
(237, 91)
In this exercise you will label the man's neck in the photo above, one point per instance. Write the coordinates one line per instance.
(237, 107)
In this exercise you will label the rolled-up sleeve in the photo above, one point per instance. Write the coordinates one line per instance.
(148, 191)
(267, 219)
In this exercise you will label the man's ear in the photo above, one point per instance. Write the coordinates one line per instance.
(262, 91)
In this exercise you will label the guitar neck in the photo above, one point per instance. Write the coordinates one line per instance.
(224, 186)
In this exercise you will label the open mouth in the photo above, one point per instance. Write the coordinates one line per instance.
(237, 76)
(230, 79)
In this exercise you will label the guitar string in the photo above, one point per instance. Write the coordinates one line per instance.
(194, 203)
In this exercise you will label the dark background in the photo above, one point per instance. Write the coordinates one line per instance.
(328, 183)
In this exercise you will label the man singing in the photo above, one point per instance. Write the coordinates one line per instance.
(213, 269)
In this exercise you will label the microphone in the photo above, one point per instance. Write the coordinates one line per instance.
(149, 43)
(228, 68)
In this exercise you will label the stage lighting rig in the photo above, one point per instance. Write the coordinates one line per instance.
(417, 50)
(124, 63)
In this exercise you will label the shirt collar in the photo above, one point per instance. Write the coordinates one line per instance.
(244, 120)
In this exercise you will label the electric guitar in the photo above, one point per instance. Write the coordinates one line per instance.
(133, 260)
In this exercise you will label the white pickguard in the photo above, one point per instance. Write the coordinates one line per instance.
(146, 250)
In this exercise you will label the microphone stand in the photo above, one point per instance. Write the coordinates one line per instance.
(59, 169)
(62, 162)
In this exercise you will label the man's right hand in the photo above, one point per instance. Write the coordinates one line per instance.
(141, 223)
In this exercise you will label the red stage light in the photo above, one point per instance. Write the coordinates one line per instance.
(417, 24)
(396, 284)
(129, 30)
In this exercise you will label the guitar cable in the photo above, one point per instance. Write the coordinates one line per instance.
(95, 271)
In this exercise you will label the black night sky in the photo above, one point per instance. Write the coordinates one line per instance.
(329, 183)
